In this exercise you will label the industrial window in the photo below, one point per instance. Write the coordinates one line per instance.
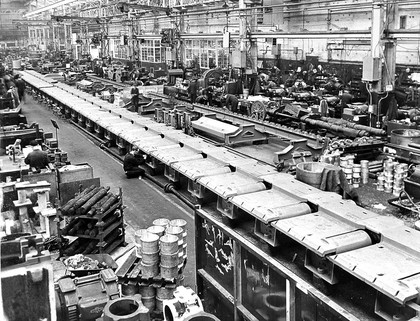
(120, 51)
(152, 51)
(403, 22)
(207, 53)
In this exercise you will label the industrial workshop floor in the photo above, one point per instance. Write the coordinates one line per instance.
(143, 200)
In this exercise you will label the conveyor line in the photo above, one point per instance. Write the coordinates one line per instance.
(332, 230)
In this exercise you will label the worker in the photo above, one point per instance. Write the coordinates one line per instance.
(20, 85)
(135, 97)
(12, 96)
(232, 102)
(37, 159)
(132, 162)
(192, 90)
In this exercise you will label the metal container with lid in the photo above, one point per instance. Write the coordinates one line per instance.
(403, 137)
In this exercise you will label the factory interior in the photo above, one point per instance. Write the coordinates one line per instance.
(210, 160)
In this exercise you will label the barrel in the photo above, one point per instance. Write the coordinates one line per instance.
(311, 172)
(175, 230)
(158, 230)
(180, 223)
(150, 258)
(161, 222)
(147, 291)
(168, 244)
(165, 293)
(403, 137)
(149, 302)
(149, 270)
(149, 243)
(137, 239)
(169, 272)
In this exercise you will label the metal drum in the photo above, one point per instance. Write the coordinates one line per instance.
(311, 172)
(403, 137)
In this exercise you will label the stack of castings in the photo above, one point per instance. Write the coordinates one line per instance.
(90, 202)
(93, 215)
(162, 249)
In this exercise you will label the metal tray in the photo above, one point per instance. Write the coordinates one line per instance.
(101, 258)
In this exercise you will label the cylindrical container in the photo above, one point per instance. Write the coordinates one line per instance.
(180, 223)
(364, 163)
(356, 180)
(149, 302)
(149, 243)
(161, 222)
(398, 182)
(343, 162)
(168, 244)
(137, 240)
(150, 258)
(388, 187)
(159, 305)
(404, 137)
(129, 289)
(350, 160)
(158, 230)
(389, 166)
(364, 175)
(169, 272)
(147, 291)
(311, 172)
(149, 270)
(396, 191)
(175, 230)
(165, 293)
(184, 238)
(381, 182)
(181, 258)
(169, 259)
(357, 168)
(348, 170)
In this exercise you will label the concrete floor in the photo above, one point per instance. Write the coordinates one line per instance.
(144, 200)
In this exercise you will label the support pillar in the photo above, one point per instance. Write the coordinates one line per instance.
(23, 214)
(376, 38)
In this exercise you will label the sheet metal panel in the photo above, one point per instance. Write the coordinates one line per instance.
(391, 266)
(314, 231)
(156, 143)
(176, 154)
(264, 205)
(194, 169)
(256, 169)
(286, 183)
(231, 184)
